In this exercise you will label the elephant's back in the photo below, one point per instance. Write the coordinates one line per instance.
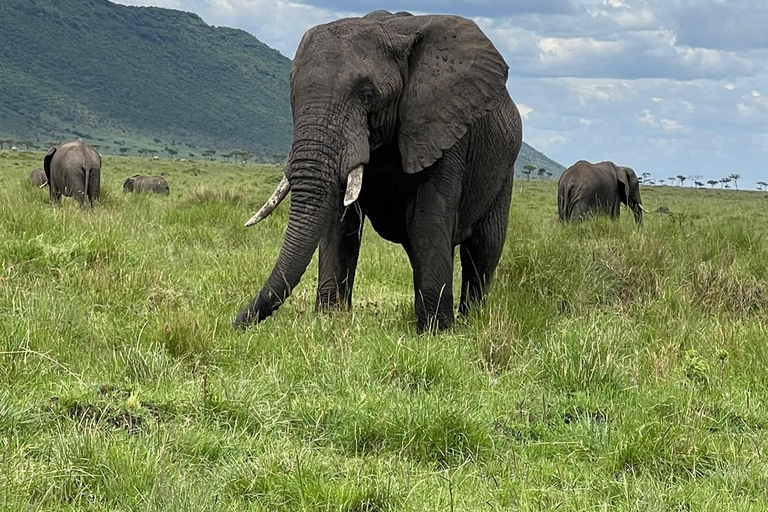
(79, 154)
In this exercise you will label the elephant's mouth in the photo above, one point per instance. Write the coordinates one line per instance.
(353, 188)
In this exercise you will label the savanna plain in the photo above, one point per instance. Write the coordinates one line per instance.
(612, 368)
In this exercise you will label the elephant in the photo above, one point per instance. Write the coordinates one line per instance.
(37, 177)
(73, 169)
(406, 121)
(138, 183)
(586, 188)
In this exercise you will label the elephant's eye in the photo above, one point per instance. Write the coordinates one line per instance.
(366, 94)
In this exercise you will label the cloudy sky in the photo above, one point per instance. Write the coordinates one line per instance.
(665, 86)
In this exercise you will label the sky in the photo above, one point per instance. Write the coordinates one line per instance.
(666, 87)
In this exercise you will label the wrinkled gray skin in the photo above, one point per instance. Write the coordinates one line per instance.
(421, 102)
(37, 177)
(74, 170)
(137, 183)
(586, 188)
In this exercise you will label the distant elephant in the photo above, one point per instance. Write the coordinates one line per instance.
(73, 169)
(137, 183)
(586, 188)
(405, 120)
(38, 178)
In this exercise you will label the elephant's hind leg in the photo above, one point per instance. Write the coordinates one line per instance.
(480, 254)
(337, 260)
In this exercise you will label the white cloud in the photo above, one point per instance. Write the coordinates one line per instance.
(524, 110)
(730, 87)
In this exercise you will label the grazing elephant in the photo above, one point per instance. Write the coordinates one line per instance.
(405, 120)
(586, 188)
(73, 169)
(38, 178)
(156, 184)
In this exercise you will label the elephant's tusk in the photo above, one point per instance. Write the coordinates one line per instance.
(44, 185)
(277, 197)
(354, 184)
(644, 210)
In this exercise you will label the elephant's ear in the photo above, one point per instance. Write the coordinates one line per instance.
(623, 177)
(47, 162)
(127, 184)
(455, 76)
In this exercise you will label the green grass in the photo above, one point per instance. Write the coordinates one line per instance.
(612, 368)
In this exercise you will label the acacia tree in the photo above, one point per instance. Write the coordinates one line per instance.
(143, 151)
(735, 177)
(724, 183)
(123, 151)
(541, 172)
(762, 185)
(698, 184)
(662, 181)
(712, 183)
(527, 169)
(681, 179)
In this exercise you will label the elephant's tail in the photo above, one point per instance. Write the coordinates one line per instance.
(86, 195)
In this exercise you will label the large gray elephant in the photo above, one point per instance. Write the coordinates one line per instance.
(37, 177)
(74, 170)
(137, 183)
(586, 188)
(405, 120)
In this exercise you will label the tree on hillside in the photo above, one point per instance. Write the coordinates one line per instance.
(662, 181)
(541, 172)
(735, 177)
(762, 185)
(171, 152)
(681, 179)
(237, 153)
(712, 183)
(123, 151)
(208, 154)
(527, 170)
(695, 177)
(143, 151)
(724, 183)
(698, 184)
(226, 156)
(644, 177)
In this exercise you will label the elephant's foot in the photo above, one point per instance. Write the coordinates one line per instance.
(434, 315)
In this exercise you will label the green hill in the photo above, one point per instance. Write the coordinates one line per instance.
(136, 77)
(102, 71)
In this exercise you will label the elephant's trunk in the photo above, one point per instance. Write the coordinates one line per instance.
(638, 210)
(314, 193)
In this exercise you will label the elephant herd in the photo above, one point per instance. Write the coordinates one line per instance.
(73, 169)
(405, 121)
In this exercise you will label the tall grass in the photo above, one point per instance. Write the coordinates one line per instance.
(611, 368)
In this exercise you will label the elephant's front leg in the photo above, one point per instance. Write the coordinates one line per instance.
(337, 262)
(431, 224)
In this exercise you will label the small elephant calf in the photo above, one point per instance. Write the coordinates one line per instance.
(138, 183)
(38, 178)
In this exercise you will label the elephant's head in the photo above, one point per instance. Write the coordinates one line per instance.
(412, 83)
(128, 184)
(629, 192)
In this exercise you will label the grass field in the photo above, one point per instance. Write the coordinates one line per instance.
(612, 368)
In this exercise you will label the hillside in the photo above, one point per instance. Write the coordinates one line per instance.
(106, 72)
(133, 77)
(530, 156)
